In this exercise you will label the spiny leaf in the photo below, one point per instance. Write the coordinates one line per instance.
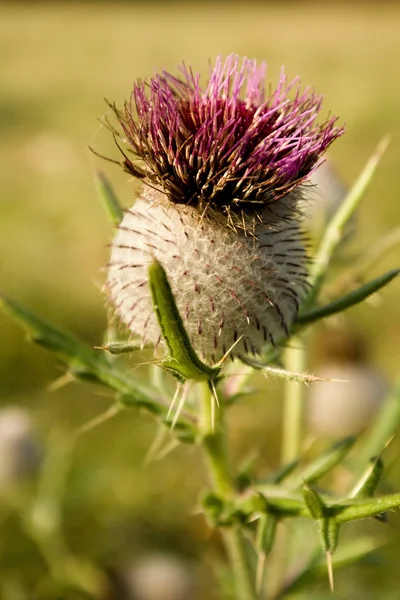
(348, 300)
(334, 232)
(325, 463)
(386, 424)
(89, 364)
(265, 537)
(368, 482)
(120, 347)
(314, 502)
(283, 472)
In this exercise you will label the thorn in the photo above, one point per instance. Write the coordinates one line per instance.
(180, 405)
(383, 144)
(167, 449)
(214, 391)
(111, 412)
(389, 441)
(155, 446)
(330, 569)
(225, 356)
(260, 571)
(60, 382)
(174, 399)
(214, 402)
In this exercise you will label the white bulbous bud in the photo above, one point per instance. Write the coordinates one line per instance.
(227, 283)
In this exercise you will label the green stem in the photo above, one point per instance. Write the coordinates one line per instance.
(368, 508)
(292, 431)
(293, 404)
(215, 449)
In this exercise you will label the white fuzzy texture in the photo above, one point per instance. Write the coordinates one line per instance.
(226, 284)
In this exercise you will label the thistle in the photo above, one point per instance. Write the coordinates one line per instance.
(223, 171)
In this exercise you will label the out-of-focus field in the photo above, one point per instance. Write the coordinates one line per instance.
(57, 64)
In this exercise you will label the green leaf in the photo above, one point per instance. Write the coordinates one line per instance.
(325, 463)
(368, 482)
(265, 538)
(121, 347)
(335, 230)
(385, 426)
(348, 300)
(183, 360)
(265, 534)
(283, 472)
(109, 199)
(213, 507)
(329, 531)
(314, 503)
(277, 500)
(271, 356)
(327, 525)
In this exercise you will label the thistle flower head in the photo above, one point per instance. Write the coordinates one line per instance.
(222, 169)
(228, 146)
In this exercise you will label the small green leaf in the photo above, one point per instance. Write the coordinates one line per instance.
(245, 471)
(183, 360)
(265, 537)
(368, 482)
(314, 503)
(283, 472)
(348, 300)
(121, 347)
(329, 531)
(109, 199)
(265, 534)
(213, 507)
(220, 511)
(278, 501)
(272, 356)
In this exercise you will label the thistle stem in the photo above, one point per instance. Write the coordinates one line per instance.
(216, 455)
(292, 432)
(293, 407)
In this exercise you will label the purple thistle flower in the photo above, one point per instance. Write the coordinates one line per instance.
(218, 165)
(227, 147)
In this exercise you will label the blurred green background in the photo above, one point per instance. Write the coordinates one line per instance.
(58, 62)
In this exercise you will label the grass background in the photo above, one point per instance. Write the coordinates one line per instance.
(57, 63)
